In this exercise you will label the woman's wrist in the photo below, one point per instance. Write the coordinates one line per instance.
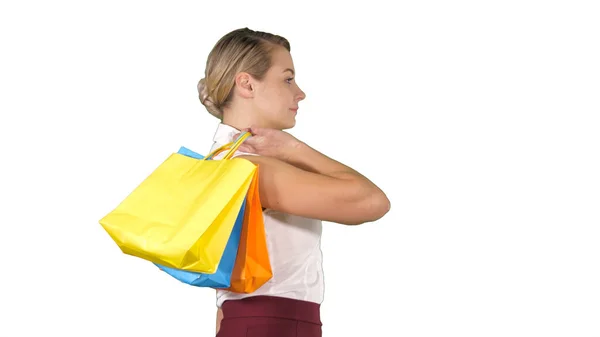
(302, 156)
(292, 151)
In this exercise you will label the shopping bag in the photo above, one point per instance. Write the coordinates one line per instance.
(252, 266)
(222, 277)
(182, 215)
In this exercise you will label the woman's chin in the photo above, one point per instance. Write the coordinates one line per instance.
(290, 124)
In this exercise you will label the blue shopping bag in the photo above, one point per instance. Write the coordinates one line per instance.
(222, 277)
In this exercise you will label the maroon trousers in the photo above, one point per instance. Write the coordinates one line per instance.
(270, 316)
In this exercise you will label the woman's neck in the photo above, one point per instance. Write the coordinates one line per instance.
(241, 118)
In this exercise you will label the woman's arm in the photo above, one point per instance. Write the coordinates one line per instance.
(307, 158)
(307, 183)
(219, 318)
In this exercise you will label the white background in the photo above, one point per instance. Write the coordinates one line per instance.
(479, 120)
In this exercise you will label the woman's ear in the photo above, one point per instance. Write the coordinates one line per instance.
(244, 84)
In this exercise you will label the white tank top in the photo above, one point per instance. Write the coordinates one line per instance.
(294, 245)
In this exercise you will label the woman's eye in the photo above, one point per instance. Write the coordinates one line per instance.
(290, 79)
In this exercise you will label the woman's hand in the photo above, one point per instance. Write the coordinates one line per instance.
(269, 143)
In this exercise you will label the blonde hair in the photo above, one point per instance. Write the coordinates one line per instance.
(242, 50)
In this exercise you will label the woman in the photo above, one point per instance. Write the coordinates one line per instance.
(249, 85)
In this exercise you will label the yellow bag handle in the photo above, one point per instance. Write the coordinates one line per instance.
(234, 146)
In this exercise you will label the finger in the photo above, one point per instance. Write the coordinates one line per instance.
(254, 142)
(238, 134)
(242, 131)
(245, 148)
(256, 130)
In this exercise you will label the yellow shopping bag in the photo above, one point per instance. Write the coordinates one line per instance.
(182, 215)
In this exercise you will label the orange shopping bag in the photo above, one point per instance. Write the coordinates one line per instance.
(252, 266)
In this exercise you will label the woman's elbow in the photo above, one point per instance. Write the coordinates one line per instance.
(374, 207)
(383, 205)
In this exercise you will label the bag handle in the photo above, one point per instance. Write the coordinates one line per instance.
(234, 146)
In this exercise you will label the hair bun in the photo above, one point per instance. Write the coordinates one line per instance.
(207, 101)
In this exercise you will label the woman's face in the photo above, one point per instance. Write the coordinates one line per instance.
(277, 95)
